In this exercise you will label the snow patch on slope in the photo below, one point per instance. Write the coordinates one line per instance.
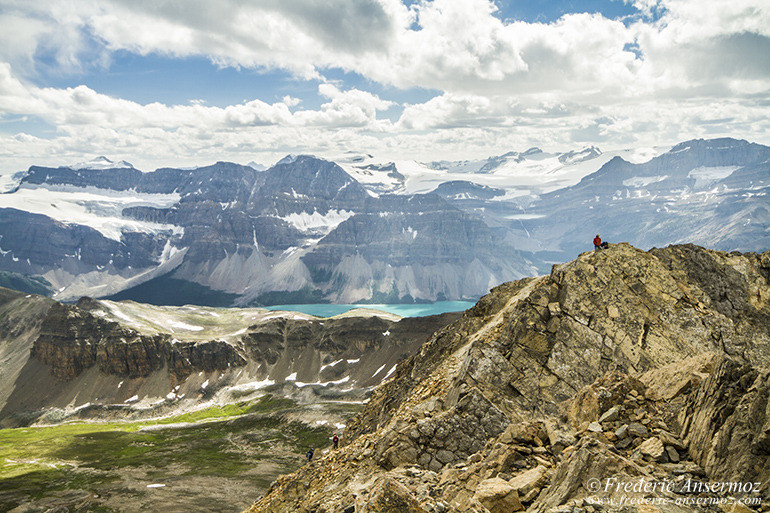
(706, 175)
(102, 163)
(98, 208)
(317, 222)
(643, 181)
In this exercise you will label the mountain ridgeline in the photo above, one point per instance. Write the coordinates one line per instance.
(621, 366)
(312, 230)
(128, 360)
(304, 229)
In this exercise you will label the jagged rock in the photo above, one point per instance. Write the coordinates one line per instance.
(726, 424)
(532, 433)
(559, 438)
(591, 462)
(600, 397)
(507, 362)
(498, 496)
(672, 380)
(390, 496)
(653, 449)
(529, 480)
(670, 440)
(610, 415)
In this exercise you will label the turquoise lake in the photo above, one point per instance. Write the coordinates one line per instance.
(404, 310)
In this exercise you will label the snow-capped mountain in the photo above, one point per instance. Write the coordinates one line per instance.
(309, 229)
(102, 163)
(518, 173)
(302, 229)
(709, 192)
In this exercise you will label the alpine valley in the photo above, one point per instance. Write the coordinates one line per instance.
(139, 370)
(359, 229)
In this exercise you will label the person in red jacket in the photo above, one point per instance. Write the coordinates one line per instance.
(597, 243)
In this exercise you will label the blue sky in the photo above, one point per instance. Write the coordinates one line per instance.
(188, 83)
(157, 77)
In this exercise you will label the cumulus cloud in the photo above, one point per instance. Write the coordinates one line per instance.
(680, 68)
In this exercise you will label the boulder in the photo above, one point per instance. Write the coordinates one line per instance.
(498, 496)
(390, 496)
(653, 449)
(533, 479)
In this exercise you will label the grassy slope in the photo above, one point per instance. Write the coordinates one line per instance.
(226, 442)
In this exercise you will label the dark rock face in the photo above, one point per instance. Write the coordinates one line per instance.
(726, 425)
(48, 243)
(283, 345)
(307, 178)
(73, 340)
(116, 179)
(412, 230)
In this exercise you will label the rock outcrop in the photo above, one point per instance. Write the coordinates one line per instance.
(112, 357)
(619, 366)
(73, 339)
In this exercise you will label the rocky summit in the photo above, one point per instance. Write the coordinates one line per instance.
(624, 380)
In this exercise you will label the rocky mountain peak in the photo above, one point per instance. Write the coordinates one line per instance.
(575, 156)
(102, 162)
(583, 373)
(309, 176)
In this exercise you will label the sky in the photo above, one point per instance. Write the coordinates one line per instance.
(191, 82)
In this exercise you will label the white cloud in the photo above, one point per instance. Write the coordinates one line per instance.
(682, 68)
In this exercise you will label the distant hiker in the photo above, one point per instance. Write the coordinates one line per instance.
(597, 243)
(335, 441)
(309, 455)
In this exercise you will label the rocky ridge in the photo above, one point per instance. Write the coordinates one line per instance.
(98, 357)
(620, 366)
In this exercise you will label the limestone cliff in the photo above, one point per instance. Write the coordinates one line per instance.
(105, 358)
(619, 364)
(72, 340)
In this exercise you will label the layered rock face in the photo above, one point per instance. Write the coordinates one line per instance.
(302, 230)
(113, 357)
(621, 364)
(73, 340)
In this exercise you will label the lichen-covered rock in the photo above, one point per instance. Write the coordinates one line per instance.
(511, 386)
(726, 425)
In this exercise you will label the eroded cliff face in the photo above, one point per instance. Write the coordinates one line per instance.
(102, 358)
(73, 340)
(617, 364)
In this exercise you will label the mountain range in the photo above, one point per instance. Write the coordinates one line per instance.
(358, 229)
